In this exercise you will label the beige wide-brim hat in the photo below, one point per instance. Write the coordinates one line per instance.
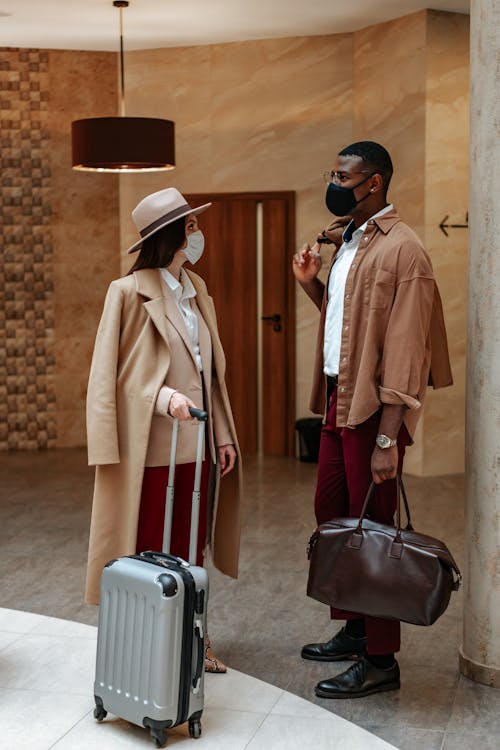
(157, 210)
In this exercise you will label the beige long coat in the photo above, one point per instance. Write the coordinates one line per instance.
(137, 351)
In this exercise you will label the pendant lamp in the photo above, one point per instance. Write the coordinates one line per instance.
(123, 144)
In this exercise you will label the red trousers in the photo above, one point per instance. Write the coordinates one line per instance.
(344, 476)
(152, 510)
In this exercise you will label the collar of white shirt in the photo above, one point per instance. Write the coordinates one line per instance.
(182, 289)
(351, 232)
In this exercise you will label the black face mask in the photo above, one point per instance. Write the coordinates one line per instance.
(340, 200)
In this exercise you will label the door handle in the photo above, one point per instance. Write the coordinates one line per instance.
(276, 320)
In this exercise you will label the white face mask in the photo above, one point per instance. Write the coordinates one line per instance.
(194, 247)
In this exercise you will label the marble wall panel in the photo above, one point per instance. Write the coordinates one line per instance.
(446, 184)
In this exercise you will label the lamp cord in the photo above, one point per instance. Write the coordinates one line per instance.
(120, 4)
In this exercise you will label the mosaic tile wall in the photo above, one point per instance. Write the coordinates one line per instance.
(27, 394)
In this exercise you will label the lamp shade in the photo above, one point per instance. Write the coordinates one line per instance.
(123, 144)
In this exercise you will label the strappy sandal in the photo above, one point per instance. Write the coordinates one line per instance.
(212, 664)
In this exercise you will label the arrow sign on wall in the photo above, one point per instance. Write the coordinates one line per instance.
(443, 226)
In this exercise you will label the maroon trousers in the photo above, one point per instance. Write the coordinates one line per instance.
(152, 510)
(344, 477)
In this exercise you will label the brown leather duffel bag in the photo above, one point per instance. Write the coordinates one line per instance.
(384, 571)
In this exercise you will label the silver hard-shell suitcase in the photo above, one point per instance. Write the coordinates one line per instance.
(152, 622)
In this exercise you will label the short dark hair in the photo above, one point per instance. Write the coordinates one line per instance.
(158, 250)
(374, 155)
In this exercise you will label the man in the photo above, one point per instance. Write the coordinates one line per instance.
(381, 336)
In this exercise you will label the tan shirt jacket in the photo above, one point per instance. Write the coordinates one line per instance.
(393, 334)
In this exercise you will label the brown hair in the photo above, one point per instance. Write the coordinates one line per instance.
(158, 250)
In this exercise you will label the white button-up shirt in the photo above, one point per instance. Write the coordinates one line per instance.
(336, 291)
(183, 292)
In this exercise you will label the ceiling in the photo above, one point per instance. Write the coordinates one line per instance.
(94, 24)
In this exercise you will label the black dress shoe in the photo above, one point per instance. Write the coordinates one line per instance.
(340, 648)
(361, 679)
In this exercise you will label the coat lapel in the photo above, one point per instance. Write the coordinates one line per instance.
(159, 308)
(148, 285)
(162, 306)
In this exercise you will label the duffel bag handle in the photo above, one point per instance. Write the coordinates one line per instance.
(400, 491)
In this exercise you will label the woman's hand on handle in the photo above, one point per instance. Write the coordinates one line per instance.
(178, 407)
(227, 458)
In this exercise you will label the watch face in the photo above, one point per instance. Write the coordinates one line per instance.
(383, 441)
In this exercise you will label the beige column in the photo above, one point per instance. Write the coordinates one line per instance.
(480, 652)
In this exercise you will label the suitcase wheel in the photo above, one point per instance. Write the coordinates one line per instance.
(159, 737)
(195, 728)
(100, 712)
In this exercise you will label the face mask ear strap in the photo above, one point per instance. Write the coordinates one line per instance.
(370, 191)
(363, 181)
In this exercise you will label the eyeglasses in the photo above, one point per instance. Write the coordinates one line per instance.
(331, 176)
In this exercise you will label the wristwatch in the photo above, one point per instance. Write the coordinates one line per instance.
(385, 442)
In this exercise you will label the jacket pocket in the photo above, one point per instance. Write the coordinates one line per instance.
(380, 289)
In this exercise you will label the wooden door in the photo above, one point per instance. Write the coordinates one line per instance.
(248, 273)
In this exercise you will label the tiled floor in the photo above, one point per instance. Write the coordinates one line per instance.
(46, 676)
(259, 622)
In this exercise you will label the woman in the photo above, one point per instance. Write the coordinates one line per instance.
(157, 353)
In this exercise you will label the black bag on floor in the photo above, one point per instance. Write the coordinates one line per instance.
(309, 431)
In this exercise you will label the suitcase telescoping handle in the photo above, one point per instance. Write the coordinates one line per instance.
(202, 417)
